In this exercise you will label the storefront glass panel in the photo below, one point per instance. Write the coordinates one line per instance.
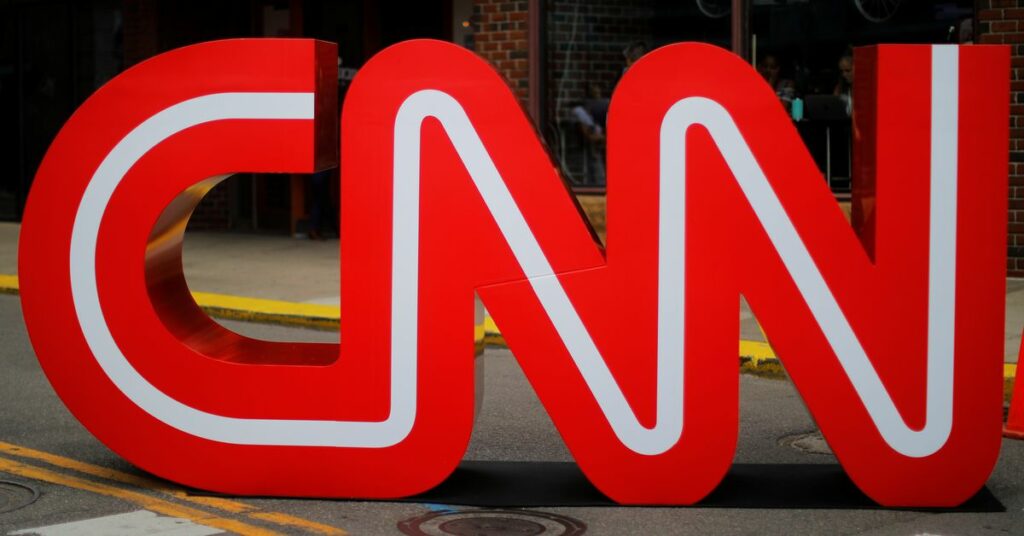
(799, 47)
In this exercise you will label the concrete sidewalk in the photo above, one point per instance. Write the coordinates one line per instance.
(298, 271)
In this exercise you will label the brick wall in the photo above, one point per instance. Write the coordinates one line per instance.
(500, 37)
(585, 43)
(604, 27)
(1002, 22)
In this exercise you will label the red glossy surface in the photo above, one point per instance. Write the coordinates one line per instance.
(615, 292)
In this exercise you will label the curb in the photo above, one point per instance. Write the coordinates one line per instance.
(755, 357)
(1009, 375)
(8, 284)
(261, 310)
(268, 311)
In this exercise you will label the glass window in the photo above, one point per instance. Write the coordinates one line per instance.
(804, 48)
(589, 46)
(801, 47)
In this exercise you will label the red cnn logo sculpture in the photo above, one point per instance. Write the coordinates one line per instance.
(446, 191)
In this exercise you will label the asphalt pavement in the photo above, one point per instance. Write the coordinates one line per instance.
(78, 480)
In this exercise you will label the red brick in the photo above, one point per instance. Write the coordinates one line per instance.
(1003, 26)
(990, 14)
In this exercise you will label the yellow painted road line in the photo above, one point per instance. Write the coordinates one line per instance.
(279, 518)
(148, 502)
(122, 477)
(159, 486)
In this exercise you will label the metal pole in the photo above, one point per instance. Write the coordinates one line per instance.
(741, 28)
(828, 156)
(535, 59)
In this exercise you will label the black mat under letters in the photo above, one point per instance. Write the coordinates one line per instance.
(547, 484)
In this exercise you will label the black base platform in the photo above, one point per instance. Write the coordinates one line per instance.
(550, 484)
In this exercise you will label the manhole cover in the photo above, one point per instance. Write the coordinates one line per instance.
(14, 495)
(491, 523)
(812, 442)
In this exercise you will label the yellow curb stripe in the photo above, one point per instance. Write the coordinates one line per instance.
(226, 505)
(757, 350)
(148, 502)
(754, 355)
(8, 284)
(492, 336)
(1009, 381)
(490, 327)
(260, 305)
(241, 308)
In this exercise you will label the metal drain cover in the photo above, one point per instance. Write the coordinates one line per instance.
(492, 523)
(14, 496)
